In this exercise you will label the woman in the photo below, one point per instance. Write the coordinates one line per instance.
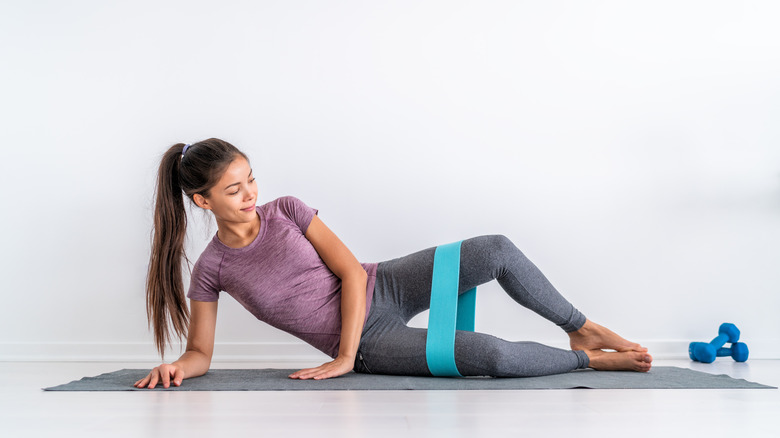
(283, 264)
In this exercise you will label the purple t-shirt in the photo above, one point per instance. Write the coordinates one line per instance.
(279, 277)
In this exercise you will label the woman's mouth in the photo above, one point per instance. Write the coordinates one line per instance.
(248, 209)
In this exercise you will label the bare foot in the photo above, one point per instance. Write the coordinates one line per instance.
(619, 361)
(595, 337)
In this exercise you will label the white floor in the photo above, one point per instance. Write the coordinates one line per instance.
(25, 410)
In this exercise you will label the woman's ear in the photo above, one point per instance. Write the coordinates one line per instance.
(201, 201)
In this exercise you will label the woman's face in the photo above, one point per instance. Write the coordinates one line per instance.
(233, 198)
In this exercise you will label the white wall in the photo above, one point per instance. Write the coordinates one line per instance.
(631, 150)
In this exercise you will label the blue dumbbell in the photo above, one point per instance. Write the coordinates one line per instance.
(738, 351)
(702, 352)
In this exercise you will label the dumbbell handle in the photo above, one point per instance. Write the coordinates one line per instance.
(719, 341)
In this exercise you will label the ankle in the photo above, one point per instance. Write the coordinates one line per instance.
(587, 329)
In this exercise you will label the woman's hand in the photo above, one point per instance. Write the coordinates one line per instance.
(165, 373)
(337, 367)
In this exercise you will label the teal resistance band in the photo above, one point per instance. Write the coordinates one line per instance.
(449, 311)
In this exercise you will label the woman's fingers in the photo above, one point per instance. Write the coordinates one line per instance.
(300, 374)
(325, 371)
(154, 379)
(164, 374)
(305, 374)
(178, 376)
(309, 373)
(325, 374)
(142, 382)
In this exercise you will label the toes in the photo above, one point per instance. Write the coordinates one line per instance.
(632, 347)
(645, 364)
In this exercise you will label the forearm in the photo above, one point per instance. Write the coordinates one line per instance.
(194, 363)
(353, 313)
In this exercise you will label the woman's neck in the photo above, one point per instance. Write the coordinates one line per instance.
(238, 235)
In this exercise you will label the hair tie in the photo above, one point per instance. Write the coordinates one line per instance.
(183, 151)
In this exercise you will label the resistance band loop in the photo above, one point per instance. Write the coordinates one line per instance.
(449, 311)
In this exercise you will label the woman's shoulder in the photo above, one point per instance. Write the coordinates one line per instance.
(205, 282)
(210, 259)
(292, 209)
(283, 202)
(288, 205)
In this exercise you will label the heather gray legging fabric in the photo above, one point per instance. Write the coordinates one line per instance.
(403, 289)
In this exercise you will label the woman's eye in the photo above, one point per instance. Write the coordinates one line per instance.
(236, 192)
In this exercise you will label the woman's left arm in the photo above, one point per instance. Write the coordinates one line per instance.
(353, 277)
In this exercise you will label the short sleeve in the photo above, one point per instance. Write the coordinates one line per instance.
(204, 282)
(297, 211)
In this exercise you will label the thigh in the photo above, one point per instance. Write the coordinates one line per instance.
(405, 282)
(399, 350)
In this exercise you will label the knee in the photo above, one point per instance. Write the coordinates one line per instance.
(490, 253)
(496, 360)
(500, 248)
(502, 242)
(496, 242)
(486, 357)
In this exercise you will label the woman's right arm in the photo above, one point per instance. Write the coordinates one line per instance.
(196, 360)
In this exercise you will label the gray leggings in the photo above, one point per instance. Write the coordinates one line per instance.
(403, 289)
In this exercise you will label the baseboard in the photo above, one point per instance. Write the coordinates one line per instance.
(269, 352)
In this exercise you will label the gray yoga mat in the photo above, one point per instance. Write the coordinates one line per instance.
(271, 379)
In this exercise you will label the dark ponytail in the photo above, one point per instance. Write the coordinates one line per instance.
(195, 172)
